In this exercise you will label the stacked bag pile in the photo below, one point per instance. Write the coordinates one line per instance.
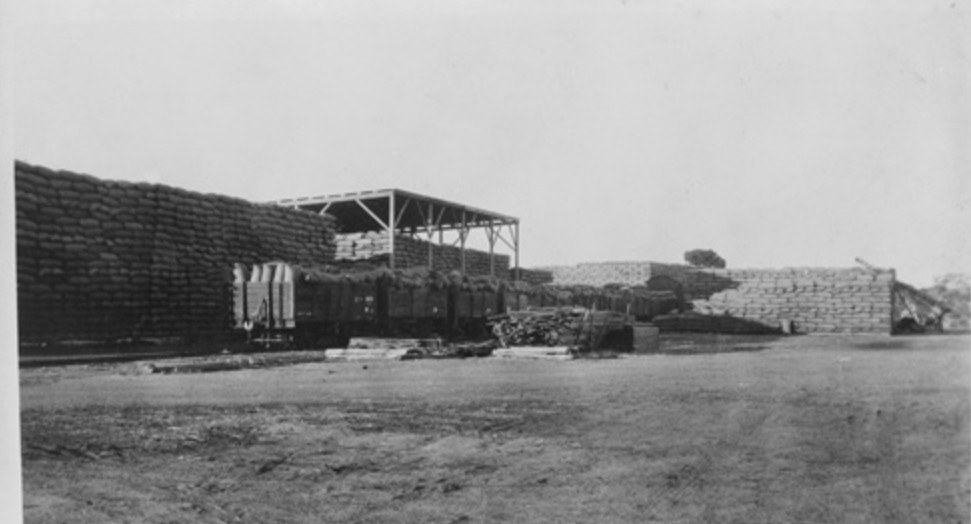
(104, 260)
(361, 246)
(414, 252)
(375, 247)
(807, 300)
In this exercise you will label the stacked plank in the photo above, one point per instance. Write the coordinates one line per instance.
(100, 260)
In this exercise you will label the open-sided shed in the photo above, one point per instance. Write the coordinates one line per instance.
(396, 211)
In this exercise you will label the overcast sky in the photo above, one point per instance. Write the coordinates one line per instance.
(632, 130)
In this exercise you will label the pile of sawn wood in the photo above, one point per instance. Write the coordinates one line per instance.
(577, 327)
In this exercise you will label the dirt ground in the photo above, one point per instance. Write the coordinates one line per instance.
(716, 430)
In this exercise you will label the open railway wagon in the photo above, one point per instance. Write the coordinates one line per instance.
(309, 307)
(280, 303)
(320, 307)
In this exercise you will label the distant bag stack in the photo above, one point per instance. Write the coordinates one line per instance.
(803, 300)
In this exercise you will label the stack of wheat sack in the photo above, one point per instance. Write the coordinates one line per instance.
(533, 276)
(815, 300)
(602, 273)
(87, 252)
(414, 252)
(111, 260)
(362, 246)
(410, 252)
(363, 250)
(344, 246)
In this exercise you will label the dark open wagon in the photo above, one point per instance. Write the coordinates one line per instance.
(293, 310)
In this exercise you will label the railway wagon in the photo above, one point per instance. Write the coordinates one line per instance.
(304, 313)
(278, 302)
(515, 300)
(413, 311)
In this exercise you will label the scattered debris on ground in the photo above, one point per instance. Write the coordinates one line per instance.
(535, 352)
(228, 362)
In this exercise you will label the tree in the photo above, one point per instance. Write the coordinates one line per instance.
(954, 290)
(704, 258)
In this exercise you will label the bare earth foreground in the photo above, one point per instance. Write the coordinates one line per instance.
(801, 429)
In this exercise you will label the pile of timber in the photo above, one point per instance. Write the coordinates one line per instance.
(571, 326)
(538, 327)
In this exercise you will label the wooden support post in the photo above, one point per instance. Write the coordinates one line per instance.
(492, 250)
(401, 211)
(391, 229)
(431, 215)
(516, 249)
(463, 233)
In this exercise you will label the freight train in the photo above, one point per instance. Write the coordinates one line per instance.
(319, 307)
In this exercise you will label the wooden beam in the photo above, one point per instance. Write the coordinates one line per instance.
(375, 216)
(391, 229)
(429, 226)
(504, 241)
(490, 232)
(516, 240)
(401, 212)
(463, 233)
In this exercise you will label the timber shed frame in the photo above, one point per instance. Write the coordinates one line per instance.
(396, 211)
